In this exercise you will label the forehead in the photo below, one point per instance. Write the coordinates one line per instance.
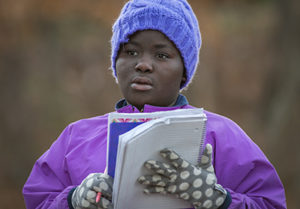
(152, 37)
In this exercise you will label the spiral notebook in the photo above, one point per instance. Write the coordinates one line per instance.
(120, 123)
(182, 133)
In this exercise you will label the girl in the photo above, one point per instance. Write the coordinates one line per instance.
(155, 51)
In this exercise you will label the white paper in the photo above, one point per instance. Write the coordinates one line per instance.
(182, 133)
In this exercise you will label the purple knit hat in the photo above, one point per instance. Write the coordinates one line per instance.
(174, 18)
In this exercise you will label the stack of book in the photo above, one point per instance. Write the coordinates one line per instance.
(137, 137)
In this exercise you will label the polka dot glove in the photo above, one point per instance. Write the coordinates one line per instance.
(196, 184)
(85, 194)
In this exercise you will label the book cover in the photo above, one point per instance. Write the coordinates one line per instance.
(116, 129)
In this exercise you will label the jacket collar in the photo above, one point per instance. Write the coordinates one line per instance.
(123, 106)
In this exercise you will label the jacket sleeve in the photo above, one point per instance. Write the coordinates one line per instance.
(49, 183)
(243, 169)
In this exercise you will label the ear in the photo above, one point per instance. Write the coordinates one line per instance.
(183, 79)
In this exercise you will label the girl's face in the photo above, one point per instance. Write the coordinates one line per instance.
(149, 70)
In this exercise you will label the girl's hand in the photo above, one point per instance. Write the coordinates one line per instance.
(196, 184)
(85, 194)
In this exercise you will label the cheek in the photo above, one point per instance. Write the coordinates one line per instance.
(123, 72)
(120, 68)
(176, 74)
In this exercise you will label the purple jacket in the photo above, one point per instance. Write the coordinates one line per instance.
(240, 166)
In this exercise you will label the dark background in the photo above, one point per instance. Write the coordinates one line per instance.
(54, 69)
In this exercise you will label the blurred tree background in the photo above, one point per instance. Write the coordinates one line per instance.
(54, 69)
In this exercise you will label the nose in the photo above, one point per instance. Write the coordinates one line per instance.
(144, 64)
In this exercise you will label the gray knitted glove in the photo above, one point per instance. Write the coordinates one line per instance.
(85, 194)
(196, 184)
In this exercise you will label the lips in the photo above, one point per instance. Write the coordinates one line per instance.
(141, 83)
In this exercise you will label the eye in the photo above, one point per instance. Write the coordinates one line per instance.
(162, 56)
(132, 52)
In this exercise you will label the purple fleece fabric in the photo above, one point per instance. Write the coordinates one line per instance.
(240, 166)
